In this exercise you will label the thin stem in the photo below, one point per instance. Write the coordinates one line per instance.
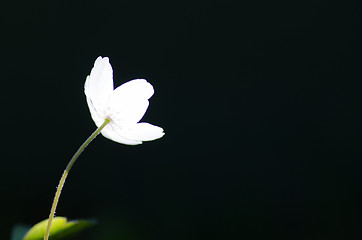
(65, 174)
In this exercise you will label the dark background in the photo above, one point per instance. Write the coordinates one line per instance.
(260, 101)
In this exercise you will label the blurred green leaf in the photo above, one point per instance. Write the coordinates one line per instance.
(18, 232)
(61, 228)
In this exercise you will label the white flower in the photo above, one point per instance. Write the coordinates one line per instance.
(123, 106)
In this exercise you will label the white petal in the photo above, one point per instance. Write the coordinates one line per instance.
(97, 118)
(111, 132)
(99, 84)
(129, 102)
(143, 132)
(137, 88)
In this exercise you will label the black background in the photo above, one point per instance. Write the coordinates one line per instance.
(260, 102)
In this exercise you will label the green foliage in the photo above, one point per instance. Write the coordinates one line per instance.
(19, 231)
(61, 229)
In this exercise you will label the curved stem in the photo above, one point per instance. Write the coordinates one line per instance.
(65, 174)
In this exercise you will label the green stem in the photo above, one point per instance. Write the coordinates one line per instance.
(65, 174)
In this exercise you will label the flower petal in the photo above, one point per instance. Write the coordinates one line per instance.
(143, 132)
(97, 118)
(129, 102)
(138, 88)
(111, 132)
(99, 84)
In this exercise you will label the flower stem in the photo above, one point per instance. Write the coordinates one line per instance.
(65, 174)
